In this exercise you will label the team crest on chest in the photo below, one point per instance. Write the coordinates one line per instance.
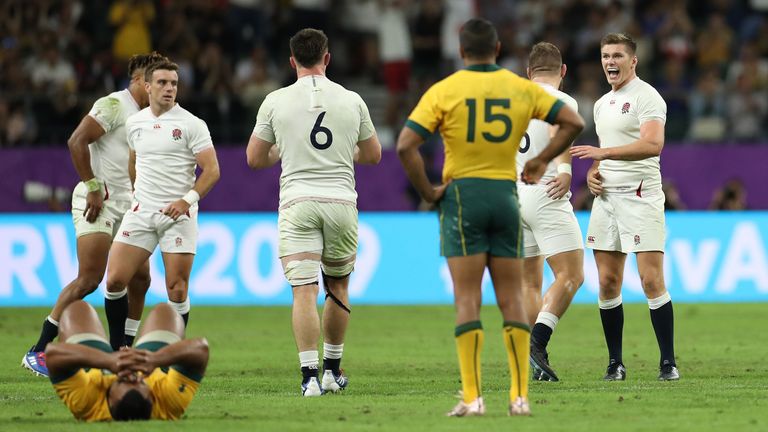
(625, 108)
(176, 134)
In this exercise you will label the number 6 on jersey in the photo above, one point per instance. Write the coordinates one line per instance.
(319, 128)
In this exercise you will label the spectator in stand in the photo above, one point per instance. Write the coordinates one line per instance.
(746, 111)
(131, 19)
(706, 105)
(731, 196)
(714, 43)
(427, 45)
(395, 53)
(751, 64)
(672, 200)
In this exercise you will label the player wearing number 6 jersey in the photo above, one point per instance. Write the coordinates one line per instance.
(550, 229)
(318, 129)
(482, 113)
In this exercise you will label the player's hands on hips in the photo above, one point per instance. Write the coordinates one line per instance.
(559, 186)
(533, 170)
(176, 209)
(93, 204)
(588, 152)
(595, 182)
(437, 193)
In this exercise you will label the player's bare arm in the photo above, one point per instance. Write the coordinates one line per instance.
(88, 131)
(209, 175)
(132, 167)
(368, 152)
(260, 153)
(570, 126)
(649, 145)
(561, 184)
(408, 151)
(192, 354)
(594, 179)
(65, 357)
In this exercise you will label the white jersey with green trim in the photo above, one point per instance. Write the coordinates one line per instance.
(537, 137)
(165, 148)
(109, 153)
(618, 117)
(316, 125)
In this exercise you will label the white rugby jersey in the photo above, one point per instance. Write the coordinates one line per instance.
(109, 154)
(315, 124)
(165, 149)
(618, 116)
(536, 137)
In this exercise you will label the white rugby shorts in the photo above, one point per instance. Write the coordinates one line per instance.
(146, 229)
(549, 226)
(326, 228)
(627, 223)
(109, 218)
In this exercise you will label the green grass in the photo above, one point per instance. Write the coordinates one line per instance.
(404, 374)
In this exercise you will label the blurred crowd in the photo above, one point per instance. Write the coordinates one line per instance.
(708, 58)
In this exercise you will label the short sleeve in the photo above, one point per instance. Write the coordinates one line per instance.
(651, 106)
(106, 111)
(79, 393)
(200, 136)
(366, 124)
(263, 129)
(545, 105)
(427, 115)
(173, 392)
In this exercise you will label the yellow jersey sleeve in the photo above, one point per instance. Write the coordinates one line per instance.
(85, 394)
(172, 391)
(427, 115)
(545, 105)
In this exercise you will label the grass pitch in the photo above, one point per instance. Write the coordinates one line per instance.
(403, 370)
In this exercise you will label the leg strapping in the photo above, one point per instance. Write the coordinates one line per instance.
(329, 293)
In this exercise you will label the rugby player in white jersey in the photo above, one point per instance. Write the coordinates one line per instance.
(318, 129)
(628, 211)
(550, 229)
(167, 144)
(100, 154)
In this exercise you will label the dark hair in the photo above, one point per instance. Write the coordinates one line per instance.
(308, 46)
(544, 57)
(140, 62)
(133, 406)
(619, 39)
(478, 38)
(161, 65)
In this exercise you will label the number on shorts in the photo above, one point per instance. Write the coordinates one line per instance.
(319, 128)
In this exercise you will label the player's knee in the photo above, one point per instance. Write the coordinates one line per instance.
(177, 290)
(652, 281)
(77, 308)
(86, 284)
(115, 285)
(610, 282)
(302, 272)
(573, 279)
(140, 283)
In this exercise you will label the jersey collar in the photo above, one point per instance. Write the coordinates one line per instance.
(491, 67)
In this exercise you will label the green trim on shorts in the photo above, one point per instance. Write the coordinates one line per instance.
(152, 345)
(467, 327)
(479, 215)
(516, 324)
(461, 229)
